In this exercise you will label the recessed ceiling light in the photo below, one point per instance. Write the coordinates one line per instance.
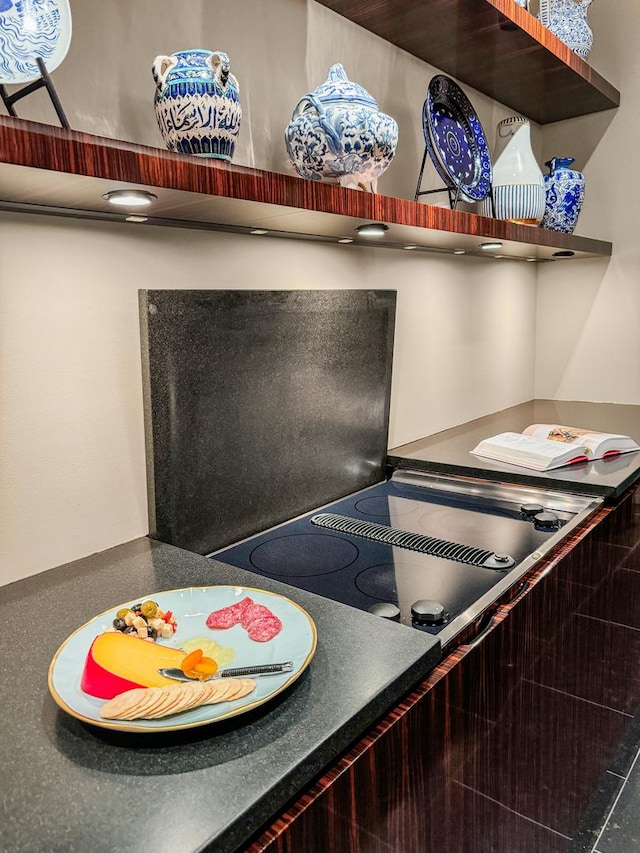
(134, 218)
(459, 251)
(488, 247)
(531, 259)
(129, 198)
(409, 247)
(498, 257)
(372, 229)
(566, 254)
(259, 231)
(345, 240)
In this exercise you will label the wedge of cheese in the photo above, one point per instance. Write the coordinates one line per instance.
(117, 662)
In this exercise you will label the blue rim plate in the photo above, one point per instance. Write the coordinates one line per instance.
(296, 642)
(455, 140)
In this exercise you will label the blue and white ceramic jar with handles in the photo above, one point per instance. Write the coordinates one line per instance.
(31, 29)
(197, 103)
(338, 133)
(564, 189)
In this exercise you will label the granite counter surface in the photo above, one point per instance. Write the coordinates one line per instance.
(449, 451)
(67, 786)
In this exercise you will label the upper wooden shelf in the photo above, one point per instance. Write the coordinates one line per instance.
(494, 46)
(46, 169)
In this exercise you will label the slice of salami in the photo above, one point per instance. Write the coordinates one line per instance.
(229, 616)
(261, 624)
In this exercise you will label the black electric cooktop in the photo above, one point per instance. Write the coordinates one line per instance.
(427, 551)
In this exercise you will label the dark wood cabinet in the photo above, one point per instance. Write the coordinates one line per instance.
(510, 743)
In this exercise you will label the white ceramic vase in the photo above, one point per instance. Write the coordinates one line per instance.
(518, 183)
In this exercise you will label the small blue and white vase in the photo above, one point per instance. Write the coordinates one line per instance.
(564, 188)
(32, 29)
(338, 133)
(197, 103)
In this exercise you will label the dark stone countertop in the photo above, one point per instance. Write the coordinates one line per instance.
(67, 786)
(449, 451)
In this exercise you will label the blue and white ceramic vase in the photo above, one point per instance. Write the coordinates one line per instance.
(197, 103)
(31, 29)
(338, 133)
(518, 184)
(567, 19)
(564, 188)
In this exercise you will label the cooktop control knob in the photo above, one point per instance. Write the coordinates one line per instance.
(529, 510)
(386, 610)
(427, 612)
(546, 520)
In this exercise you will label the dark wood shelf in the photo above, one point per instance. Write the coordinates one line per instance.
(46, 169)
(494, 46)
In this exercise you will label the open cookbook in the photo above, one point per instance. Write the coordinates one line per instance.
(547, 446)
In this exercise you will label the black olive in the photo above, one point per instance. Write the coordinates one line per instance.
(119, 624)
(130, 630)
(151, 632)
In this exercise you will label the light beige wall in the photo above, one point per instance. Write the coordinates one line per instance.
(72, 477)
(588, 314)
(72, 473)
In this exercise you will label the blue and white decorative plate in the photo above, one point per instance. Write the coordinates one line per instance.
(295, 642)
(455, 140)
(30, 29)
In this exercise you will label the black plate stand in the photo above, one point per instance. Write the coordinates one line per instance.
(454, 195)
(45, 80)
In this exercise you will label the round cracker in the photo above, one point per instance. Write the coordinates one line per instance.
(165, 702)
(122, 703)
(147, 700)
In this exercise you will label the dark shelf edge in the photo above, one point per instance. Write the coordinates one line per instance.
(477, 40)
(39, 146)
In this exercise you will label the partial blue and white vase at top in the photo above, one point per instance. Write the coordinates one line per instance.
(31, 29)
(564, 195)
(338, 133)
(567, 19)
(197, 103)
(517, 184)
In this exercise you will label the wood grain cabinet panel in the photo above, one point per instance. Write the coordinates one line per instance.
(502, 747)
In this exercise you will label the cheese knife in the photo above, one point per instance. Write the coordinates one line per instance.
(233, 672)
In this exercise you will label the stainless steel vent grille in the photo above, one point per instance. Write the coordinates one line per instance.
(413, 541)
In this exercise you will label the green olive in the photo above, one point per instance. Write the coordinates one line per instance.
(123, 612)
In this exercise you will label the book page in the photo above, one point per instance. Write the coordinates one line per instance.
(585, 440)
(527, 444)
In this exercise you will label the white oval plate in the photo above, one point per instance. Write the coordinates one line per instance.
(296, 642)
